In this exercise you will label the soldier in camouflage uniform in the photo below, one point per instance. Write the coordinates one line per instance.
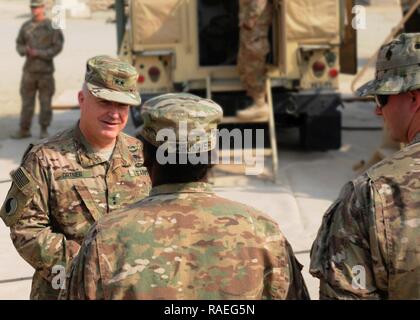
(68, 181)
(368, 243)
(183, 241)
(388, 146)
(255, 18)
(39, 42)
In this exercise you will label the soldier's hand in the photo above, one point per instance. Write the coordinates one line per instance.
(31, 52)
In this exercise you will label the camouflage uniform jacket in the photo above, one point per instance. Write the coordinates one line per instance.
(368, 244)
(184, 242)
(47, 41)
(60, 190)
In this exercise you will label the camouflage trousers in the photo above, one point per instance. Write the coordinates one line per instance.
(253, 49)
(31, 83)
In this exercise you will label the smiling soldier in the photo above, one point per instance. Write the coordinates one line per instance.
(69, 181)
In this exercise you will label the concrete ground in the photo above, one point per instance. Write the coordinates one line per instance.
(307, 181)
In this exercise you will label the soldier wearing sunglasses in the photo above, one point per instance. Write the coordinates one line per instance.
(367, 245)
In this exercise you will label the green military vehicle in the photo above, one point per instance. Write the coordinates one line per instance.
(192, 45)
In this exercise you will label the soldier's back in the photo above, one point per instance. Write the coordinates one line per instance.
(184, 242)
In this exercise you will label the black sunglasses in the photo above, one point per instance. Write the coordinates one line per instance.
(381, 100)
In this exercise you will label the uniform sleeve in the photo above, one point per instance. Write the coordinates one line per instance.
(342, 256)
(20, 43)
(84, 282)
(284, 280)
(26, 212)
(56, 47)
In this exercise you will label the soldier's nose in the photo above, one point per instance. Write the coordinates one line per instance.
(113, 112)
(378, 111)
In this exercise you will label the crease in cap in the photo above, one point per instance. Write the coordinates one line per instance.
(111, 79)
(185, 122)
(397, 67)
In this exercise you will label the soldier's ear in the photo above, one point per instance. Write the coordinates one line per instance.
(81, 98)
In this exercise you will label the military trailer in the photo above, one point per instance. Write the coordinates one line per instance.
(192, 46)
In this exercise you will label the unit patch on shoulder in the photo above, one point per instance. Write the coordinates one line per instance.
(20, 194)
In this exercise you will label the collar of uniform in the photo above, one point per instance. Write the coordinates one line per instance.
(85, 154)
(191, 187)
(87, 157)
(122, 156)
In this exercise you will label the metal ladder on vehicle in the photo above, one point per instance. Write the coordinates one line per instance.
(268, 152)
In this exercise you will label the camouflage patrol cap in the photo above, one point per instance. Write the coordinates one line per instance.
(112, 79)
(37, 3)
(192, 120)
(397, 67)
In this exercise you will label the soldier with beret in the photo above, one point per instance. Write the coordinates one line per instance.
(184, 241)
(368, 243)
(67, 182)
